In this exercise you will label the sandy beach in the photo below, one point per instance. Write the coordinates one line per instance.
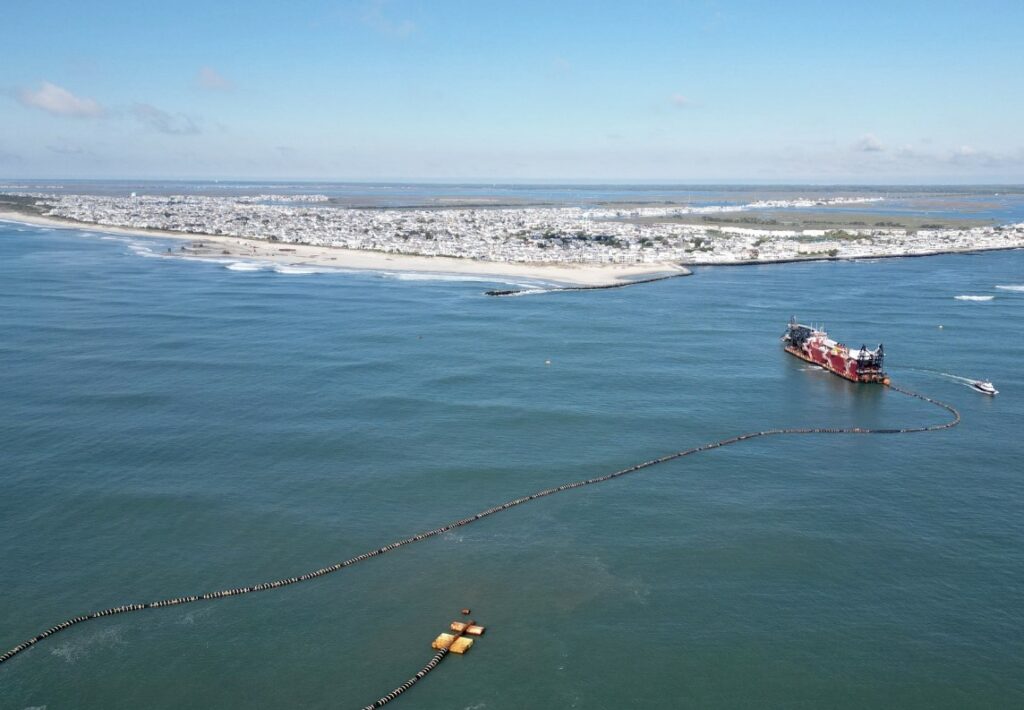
(212, 246)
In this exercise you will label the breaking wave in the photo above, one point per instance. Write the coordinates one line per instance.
(140, 249)
(245, 266)
(437, 276)
(294, 270)
(531, 291)
(968, 297)
(286, 269)
(1011, 287)
(427, 276)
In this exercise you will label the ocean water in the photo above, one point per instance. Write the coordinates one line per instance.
(172, 427)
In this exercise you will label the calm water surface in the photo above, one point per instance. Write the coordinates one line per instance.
(172, 427)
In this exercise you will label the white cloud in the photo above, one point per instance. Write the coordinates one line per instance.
(869, 143)
(59, 101)
(210, 78)
(159, 120)
(970, 157)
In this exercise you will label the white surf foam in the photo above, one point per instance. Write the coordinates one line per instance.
(426, 276)
(530, 291)
(140, 249)
(968, 297)
(244, 266)
(438, 276)
(297, 270)
(1010, 287)
(286, 269)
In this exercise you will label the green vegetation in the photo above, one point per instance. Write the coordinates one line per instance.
(839, 234)
(21, 205)
(821, 219)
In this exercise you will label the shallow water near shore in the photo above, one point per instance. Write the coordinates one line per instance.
(172, 427)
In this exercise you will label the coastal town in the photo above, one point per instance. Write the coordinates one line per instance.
(632, 235)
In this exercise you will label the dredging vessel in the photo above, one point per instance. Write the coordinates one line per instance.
(814, 346)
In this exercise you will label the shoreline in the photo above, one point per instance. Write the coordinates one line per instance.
(865, 257)
(304, 255)
(566, 276)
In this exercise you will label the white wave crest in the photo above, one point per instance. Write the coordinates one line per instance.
(140, 249)
(968, 297)
(287, 269)
(1011, 287)
(530, 291)
(297, 270)
(244, 266)
(438, 276)
(427, 276)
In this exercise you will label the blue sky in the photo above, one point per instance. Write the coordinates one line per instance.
(410, 89)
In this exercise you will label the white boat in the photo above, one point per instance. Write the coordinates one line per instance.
(985, 387)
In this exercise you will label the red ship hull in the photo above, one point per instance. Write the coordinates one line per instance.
(833, 363)
(815, 347)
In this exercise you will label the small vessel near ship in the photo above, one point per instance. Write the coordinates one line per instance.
(984, 387)
(814, 346)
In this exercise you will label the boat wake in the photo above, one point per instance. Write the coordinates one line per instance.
(965, 381)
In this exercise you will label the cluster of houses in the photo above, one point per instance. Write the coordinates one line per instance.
(521, 234)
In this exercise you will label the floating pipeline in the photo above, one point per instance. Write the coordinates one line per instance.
(277, 584)
(442, 652)
(438, 657)
(621, 284)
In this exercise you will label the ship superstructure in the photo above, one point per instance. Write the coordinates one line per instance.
(814, 346)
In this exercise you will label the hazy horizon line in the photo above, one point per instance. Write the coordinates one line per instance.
(506, 181)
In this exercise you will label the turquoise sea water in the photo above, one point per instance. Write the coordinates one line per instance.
(173, 427)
